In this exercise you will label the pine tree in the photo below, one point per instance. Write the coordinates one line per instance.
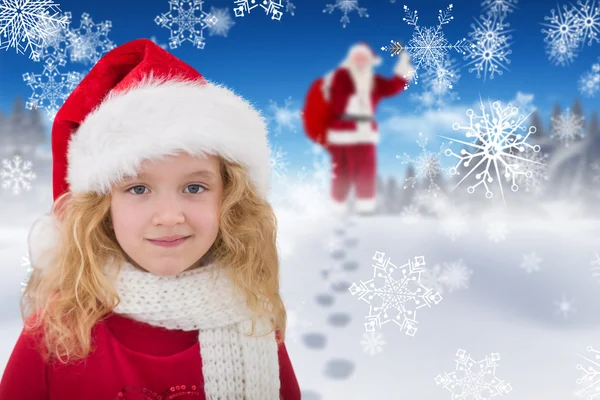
(391, 196)
(408, 192)
(577, 109)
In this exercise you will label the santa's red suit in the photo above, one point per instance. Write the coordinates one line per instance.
(353, 134)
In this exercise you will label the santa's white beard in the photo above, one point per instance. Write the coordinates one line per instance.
(363, 80)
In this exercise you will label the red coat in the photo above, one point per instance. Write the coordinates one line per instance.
(128, 354)
(343, 101)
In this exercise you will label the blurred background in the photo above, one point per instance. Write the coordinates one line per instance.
(477, 276)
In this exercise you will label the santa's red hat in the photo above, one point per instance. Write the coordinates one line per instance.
(140, 102)
(364, 48)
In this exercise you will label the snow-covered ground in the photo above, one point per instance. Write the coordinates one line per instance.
(533, 327)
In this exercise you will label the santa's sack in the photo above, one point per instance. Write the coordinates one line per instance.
(316, 114)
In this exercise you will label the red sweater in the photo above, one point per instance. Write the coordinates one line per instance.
(132, 360)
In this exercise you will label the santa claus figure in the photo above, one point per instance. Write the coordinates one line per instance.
(354, 90)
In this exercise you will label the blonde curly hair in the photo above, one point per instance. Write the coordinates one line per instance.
(64, 303)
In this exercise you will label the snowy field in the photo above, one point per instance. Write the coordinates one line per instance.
(516, 298)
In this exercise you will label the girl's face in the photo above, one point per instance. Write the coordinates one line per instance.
(179, 196)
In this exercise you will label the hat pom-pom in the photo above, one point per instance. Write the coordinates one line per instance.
(43, 237)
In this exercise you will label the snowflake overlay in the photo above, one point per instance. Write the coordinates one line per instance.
(25, 24)
(90, 41)
(497, 231)
(474, 379)
(453, 276)
(428, 47)
(590, 380)
(531, 262)
(223, 22)
(536, 163)
(17, 175)
(50, 88)
(394, 294)
(498, 141)
(589, 83)
(55, 45)
(564, 306)
(502, 7)
(567, 127)
(427, 166)
(346, 6)
(488, 49)
(284, 117)
(438, 84)
(278, 162)
(272, 7)
(186, 21)
(569, 29)
(372, 342)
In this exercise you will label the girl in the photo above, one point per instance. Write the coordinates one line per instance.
(156, 274)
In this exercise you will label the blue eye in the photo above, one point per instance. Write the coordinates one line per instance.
(199, 188)
(137, 187)
(140, 189)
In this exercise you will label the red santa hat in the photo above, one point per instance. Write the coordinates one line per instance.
(140, 102)
(364, 48)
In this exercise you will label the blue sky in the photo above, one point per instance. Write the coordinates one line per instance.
(266, 60)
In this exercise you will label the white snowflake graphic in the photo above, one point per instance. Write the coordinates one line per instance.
(428, 47)
(497, 231)
(564, 306)
(28, 271)
(488, 49)
(25, 24)
(563, 35)
(474, 379)
(394, 294)
(297, 323)
(278, 162)
(427, 166)
(90, 41)
(372, 342)
(449, 276)
(454, 222)
(588, 18)
(590, 379)
(56, 44)
(186, 21)
(272, 7)
(535, 163)
(567, 127)
(501, 7)
(223, 22)
(455, 275)
(346, 7)
(589, 82)
(531, 262)
(17, 175)
(284, 117)
(596, 267)
(410, 214)
(438, 84)
(290, 8)
(499, 138)
(50, 88)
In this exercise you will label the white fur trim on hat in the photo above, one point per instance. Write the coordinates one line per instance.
(365, 49)
(158, 118)
(43, 237)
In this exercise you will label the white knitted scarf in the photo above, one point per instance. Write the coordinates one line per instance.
(235, 366)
